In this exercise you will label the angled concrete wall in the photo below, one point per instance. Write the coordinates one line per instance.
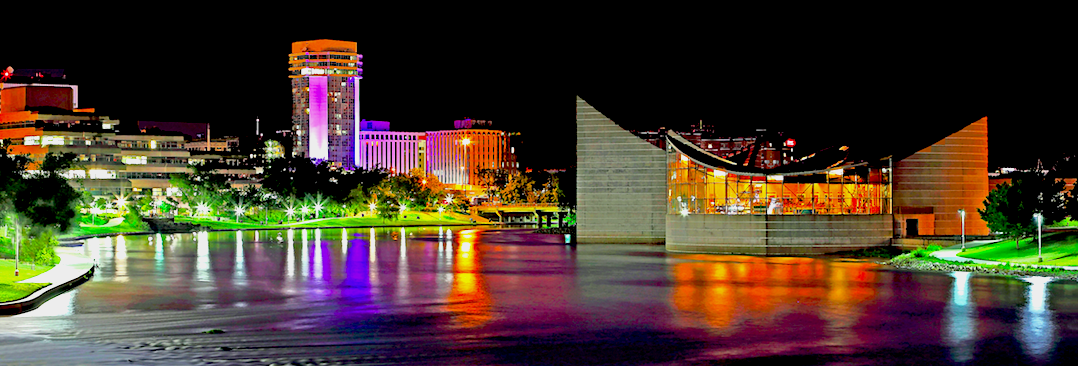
(951, 174)
(621, 186)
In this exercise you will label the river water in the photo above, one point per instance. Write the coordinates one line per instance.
(510, 297)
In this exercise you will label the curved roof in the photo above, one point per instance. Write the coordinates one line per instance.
(831, 158)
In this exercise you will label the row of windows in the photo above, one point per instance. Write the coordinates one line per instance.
(329, 63)
(363, 136)
(83, 141)
(310, 71)
(325, 57)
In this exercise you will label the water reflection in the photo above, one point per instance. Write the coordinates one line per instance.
(1037, 333)
(120, 259)
(317, 254)
(961, 322)
(202, 257)
(239, 271)
(725, 296)
(469, 298)
(402, 269)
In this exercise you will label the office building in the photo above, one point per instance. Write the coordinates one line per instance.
(325, 78)
(455, 156)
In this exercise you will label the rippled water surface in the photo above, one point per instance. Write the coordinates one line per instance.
(489, 296)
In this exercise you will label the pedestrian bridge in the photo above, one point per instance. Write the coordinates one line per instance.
(524, 214)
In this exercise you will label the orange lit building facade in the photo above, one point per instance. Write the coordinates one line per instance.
(39, 122)
(455, 156)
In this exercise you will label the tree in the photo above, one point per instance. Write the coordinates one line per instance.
(551, 192)
(41, 200)
(492, 180)
(518, 189)
(1009, 208)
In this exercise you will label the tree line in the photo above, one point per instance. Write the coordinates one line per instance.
(296, 187)
(1011, 208)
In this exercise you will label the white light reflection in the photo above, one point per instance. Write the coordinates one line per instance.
(120, 259)
(290, 258)
(202, 259)
(371, 256)
(159, 254)
(1037, 333)
(61, 305)
(239, 272)
(93, 248)
(344, 244)
(961, 321)
(305, 256)
(372, 272)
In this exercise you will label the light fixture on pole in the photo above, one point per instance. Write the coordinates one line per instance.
(962, 214)
(1040, 219)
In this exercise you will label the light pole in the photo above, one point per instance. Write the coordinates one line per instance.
(962, 213)
(239, 211)
(1040, 219)
(465, 142)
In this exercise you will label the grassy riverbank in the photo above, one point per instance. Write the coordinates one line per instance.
(922, 260)
(124, 227)
(409, 218)
(1057, 249)
(9, 289)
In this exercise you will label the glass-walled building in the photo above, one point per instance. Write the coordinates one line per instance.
(698, 188)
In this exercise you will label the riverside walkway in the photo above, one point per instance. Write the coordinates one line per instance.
(74, 269)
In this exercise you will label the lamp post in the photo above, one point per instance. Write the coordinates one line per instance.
(962, 213)
(465, 142)
(1040, 219)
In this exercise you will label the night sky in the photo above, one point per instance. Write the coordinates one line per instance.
(421, 73)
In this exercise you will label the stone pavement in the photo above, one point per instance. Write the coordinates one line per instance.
(74, 268)
(951, 254)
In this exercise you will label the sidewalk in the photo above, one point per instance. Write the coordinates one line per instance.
(951, 254)
(73, 270)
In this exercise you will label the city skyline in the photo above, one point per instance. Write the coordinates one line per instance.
(642, 79)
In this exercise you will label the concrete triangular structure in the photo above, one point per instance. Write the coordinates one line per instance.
(621, 183)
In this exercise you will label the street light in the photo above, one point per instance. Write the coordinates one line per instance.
(1040, 219)
(962, 213)
(465, 142)
(238, 210)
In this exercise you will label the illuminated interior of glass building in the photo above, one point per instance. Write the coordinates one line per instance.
(845, 189)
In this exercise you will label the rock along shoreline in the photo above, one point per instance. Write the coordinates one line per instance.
(1016, 270)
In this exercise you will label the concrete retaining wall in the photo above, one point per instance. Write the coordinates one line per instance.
(776, 234)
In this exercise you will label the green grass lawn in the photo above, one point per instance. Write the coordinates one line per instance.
(9, 290)
(1058, 249)
(124, 227)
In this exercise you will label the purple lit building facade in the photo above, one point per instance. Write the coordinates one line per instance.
(325, 78)
(395, 151)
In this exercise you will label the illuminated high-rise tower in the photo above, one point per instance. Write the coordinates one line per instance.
(325, 99)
